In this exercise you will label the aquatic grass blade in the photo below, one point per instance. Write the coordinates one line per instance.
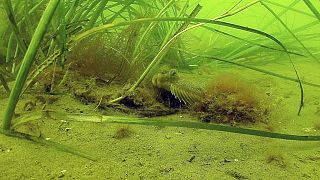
(289, 8)
(288, 29)
(312, 8)
(9, 10)
(219, 127)
(249, 41)
(96, 14)
(62, 40)
(150, 27)
(233, 54)
(118, 13)
(185, 124)
(27, 62)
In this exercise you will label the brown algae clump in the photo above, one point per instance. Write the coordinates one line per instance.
(276, 159)
(123, 132)
(230, 100)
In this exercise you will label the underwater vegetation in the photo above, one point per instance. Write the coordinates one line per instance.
(123, 132)
(277, 159)
(230, 100)
(139, 58)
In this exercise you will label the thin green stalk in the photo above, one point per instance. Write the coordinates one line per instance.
(234, 53)
(72, 10)
(171, 32)
(27, 21)
(256, 69)
(237, 10)
(296, 72)
(96, 14)
(4, 84)
(27, 62)
(85, 9)
(150, 27)
(184, 124)
(306, 26)
(312, 9)
(289, 8)
(217, 127)
(233, 7)
(9, 48)
(41, 67)
(62, 40)
(9, 10)
(34, 8)
(193, 14)
(102, 28)
(119, 12)
(288, 29)
(249, 41)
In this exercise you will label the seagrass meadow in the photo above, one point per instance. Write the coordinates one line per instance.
(161, 89)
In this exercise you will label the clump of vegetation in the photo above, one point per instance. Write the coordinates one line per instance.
(230, 100)
(123, 132)
(92, 58)
(276, 159)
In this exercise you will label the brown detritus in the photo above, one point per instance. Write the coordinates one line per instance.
(236, 175)
(228, 99)
(276, 159)
(51, 99)
(48, 81)
(28, 106)
(123, 132)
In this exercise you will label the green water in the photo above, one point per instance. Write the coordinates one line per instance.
(154, 90)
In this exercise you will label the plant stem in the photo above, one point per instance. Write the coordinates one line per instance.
(4, 84)
(96, 14)
(312, 8)
(27, 62)
(9, 10)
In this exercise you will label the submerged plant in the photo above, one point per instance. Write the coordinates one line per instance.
(27, 62)
(229, 100)
(277, 159)
(123, 132)
(92, 59)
